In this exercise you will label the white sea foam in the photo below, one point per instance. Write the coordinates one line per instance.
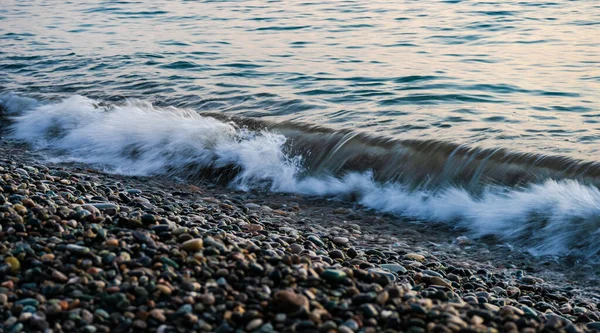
(554, 217)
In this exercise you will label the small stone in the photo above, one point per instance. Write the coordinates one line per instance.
(593, 325)
(391, 277)
(296, 248)
(38, 321)
(87, 316)
(352, 253)
(383, 297)
(369, 310)
(90, 329)
(107, 207)
(192, 245)
(429, 272)
(164, 289)
(414, 256)
(340, 241)
(437, 281)
(315, 240)
(395, 268)
(336, 254)
(14, 264)
(252, 206)
(159, 315)
(530, 280)
(333, 275)
(253, 227)
(529, 311)
(254, 324)
(28, 301)
(59, 277)
(142, 237)
(288, 301)
(16, 328)
(53, 309)
(148, 219)
(208, 299)
(20, 209)
(82, 250)
(344, 329)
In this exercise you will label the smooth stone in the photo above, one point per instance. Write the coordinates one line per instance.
(529, 311)
(164, 289)
(169, 262)
(142, 237)
(107, 207)
(252, 206)
(315, 240)
(341, 241)
(593, 325)
(336, 254)
(369, 310)
(333, 275)
(395, 268)
(344, 329)
(351, 324)
(13, 264)
(415, 256)
(187, 308)
(16, 328)
(28, 301)
(431, 273)
(78, 249)
(296, 248)
(158, 314)
(391, 277)
(192, 245)
(148, 219)
(90, 329)
(352, 253)
(60, 277)
(289, 301)
(437, 281)
(254, 324)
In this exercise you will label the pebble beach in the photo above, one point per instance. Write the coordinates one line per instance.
(85, 251)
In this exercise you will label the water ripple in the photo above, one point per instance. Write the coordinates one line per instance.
(514, 74)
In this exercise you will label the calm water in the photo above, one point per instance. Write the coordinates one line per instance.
(524, 75)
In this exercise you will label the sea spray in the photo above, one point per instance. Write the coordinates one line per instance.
(550, 216)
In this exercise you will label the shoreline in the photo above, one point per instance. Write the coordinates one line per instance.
(205, 257)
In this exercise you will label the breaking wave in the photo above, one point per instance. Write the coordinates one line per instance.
(548, 204)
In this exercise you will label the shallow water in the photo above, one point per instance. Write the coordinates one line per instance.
(523, 75)
(481, 115)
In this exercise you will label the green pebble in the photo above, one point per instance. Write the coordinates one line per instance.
(16, 328)
(29, 308)
(315, 240)
(28, 301)
(169, 262)
(333, 275)
(187, 308)
(102, 314)
(529, 311)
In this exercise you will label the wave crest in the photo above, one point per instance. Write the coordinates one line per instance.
(549, 209)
